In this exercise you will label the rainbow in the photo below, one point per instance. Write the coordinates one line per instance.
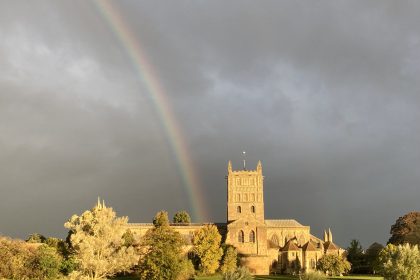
(157, 93)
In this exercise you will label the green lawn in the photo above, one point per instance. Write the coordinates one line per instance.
(286, 277)
(276, 277)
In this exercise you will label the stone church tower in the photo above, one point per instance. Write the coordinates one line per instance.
(246, 229)
(245, 194)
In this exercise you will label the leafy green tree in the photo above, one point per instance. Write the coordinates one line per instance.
(371, 257)
(36, 238)
(161, 219)
(48, 261)
(230, 259)
(400, 262)
(333, 265)
(162, 255)
(406, 229)
(206, 243)
(356, 256)
(129, 239)
(182, 217)
(98, 244)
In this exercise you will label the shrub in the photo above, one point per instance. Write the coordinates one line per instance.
(241, 273)
(316, 275)
(186, 270)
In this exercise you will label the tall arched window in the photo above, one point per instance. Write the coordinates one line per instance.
(252, 209)
(241, 236)
(239, 209)
(252, 236)
(275, 241)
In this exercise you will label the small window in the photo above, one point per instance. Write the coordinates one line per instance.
(241, 236)
(313, 264)
(253, 209)
(239, 209)
(252, 236)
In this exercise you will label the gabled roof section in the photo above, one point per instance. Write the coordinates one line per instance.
(290, 246)
(310, 246)
(330, 246)
(245, 220)
(283, 223)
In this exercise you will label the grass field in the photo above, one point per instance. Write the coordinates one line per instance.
(276, 277)
(286, 277)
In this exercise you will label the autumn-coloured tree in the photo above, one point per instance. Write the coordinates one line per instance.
(406, 229)
(98, 243)
(206, 243)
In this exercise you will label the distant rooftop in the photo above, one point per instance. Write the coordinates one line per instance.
(283, 223)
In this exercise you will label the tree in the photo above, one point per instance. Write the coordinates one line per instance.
(400, 262)
(355, 256)
(161, 219)
(19, 260)
(129, 239)
(182, 217)
(36, 238)
(230, 259)
(206, 243)
(406, 229)
(97, 242)
(162, 255)
(371, 257)
(333, 265)
(48, 262)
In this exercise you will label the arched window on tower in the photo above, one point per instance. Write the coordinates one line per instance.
(239, 209)
(241, 236)
(252, 209)
(274, 241)
(252, 236)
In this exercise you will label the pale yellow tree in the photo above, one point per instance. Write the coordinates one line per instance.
(98, 243)
(206, 243)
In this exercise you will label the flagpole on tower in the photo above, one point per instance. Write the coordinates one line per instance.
(244, 153)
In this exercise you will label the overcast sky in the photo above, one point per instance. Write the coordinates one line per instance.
(325, 93)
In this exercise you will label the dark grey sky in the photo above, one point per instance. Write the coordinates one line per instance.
(325, 93)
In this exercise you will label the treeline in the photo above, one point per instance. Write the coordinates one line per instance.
(37, 258)
(399, 259)
(100, 245)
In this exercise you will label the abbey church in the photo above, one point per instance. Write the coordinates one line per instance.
(265, 246)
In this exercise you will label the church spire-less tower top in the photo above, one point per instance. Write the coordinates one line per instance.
(245, 193)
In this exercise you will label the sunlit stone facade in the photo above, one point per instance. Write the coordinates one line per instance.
(265, 246)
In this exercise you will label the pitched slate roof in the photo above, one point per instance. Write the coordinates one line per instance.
(290, 246)
(282, 223)
(330, 246)
(310, 246)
